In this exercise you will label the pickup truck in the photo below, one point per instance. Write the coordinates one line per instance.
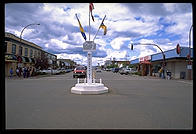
(79, 71)
(125, 71)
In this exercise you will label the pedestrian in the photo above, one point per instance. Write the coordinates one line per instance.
(160, 71)
(11, 72)
(24, 72)
(17, 71)
(20, 71)
(28, 72)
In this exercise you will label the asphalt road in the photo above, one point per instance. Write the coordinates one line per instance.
(133, 102)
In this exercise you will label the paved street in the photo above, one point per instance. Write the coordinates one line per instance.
(133, 102)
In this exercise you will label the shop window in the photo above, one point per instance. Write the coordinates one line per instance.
(26, 52)
(13, 49)
(20, 50)
(5, 50)
(31, 53)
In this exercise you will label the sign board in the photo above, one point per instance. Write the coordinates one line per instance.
(89, 46)
(146, 58)
(189, 66)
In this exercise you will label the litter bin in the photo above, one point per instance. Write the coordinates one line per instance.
(182, 75)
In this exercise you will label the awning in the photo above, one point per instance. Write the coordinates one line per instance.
(19, 59)
(26, 59)
(23, 59)
(145, 62)
(10, 57)
(32, 60)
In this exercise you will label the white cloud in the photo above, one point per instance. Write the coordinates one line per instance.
(120, 21)
(59, 43)
(75, 57)
(46, 45)
(118, 42)
(115, 54)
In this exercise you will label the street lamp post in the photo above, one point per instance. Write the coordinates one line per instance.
(22, 32)
(20, 48)
(189, 55)
(163, 64)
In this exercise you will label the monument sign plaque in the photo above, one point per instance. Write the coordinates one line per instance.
(89, 46)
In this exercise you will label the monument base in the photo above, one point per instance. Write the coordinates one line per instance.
(85, 88)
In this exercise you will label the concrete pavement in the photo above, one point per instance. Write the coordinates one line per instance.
(132, 103)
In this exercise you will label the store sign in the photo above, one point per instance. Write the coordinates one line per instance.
(89, 46)
(10, 57)
(146, 58)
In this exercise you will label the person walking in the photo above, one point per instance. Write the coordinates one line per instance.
(20, 71)
(11, 72)
(17, 71)
(24, 72)
(27, 72)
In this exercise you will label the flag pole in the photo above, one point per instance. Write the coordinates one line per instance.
(89, 23)
(89, 59)
(99, 28)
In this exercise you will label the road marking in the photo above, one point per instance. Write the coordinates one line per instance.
(186, 82)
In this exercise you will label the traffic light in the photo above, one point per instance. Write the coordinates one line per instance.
(178, 49)
(131, 46)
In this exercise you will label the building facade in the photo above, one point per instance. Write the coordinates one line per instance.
(66, 63)
(177, 64)
(22, 53)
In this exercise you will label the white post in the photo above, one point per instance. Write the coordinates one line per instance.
(78, 81)
(89, 67)
(84, 80)
(100, 80)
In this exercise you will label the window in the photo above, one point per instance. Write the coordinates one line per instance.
(20, 50)
(26, 51)
(39, 54)
(13, 49)
(5, 50)
(31, 53)
(35, 53)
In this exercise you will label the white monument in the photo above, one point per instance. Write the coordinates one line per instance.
(89, 87)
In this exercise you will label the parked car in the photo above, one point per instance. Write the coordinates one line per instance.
(98, 70)
(108, 69)
(79, 71)
(115, 70)
(125, 71)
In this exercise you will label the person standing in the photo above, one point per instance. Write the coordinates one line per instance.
(24, 72)
(20, 71)
(11, 72)
(27, 72)
(17, 71)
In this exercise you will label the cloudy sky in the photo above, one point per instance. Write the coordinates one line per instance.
(165, 24)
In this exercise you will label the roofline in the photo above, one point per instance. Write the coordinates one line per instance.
(23, 39)
(160, 53)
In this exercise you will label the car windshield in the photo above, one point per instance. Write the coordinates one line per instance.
(80, 68)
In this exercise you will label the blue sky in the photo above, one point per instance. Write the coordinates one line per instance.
(165, 24)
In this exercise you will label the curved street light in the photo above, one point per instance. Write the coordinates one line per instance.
(19, 53)
(189, 55)
(163, 65)
(24, 29)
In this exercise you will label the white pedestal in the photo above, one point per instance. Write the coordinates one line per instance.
(85, 88)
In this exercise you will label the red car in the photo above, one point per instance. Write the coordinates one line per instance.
(79, 71)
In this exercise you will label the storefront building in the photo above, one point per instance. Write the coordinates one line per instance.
(21, 53)
(177, 64)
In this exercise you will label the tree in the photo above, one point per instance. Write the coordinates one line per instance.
(42, 63)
